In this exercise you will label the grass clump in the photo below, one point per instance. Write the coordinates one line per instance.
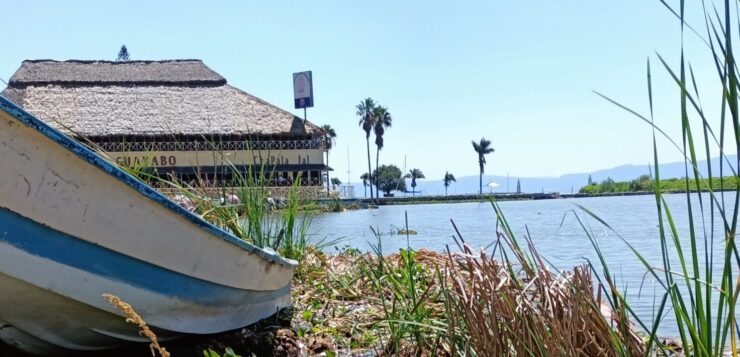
(370, 302)
(410, 299)
(248, 210)
(516, 305)
(473, 303)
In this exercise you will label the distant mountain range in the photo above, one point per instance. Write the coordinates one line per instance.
(563, 184)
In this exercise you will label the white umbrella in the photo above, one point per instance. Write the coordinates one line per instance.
(492, 184)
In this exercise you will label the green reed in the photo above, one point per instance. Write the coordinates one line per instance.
(702, 303)
(410, 299)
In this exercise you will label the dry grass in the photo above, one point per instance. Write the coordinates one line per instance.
(473, 305)
(496, 311)
(476, 305)
(134, 318)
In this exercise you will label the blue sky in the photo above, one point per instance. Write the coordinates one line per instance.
(520, 73)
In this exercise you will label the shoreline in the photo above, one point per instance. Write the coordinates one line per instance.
(410, 200)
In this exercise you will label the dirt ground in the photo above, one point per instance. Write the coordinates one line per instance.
(270, 337)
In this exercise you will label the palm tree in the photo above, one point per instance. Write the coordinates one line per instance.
(365, 111)
(365, 180)
(383, 120)
(483, 148)
(329, 140)
(336, 182)
(448, 180)
(413, 175)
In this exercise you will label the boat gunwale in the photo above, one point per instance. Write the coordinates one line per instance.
(99, 162)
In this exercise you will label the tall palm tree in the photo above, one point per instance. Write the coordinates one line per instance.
(482, 148)
(367, 121)
(448, 180)
(383, 121)
(365, 180)
(413, 175)
(329, 139)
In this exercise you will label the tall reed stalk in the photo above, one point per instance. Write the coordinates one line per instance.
(701, 302)
(410, 301)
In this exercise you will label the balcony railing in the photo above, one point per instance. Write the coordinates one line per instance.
(211, 146)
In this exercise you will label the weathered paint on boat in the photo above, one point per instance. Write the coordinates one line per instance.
(74, 226)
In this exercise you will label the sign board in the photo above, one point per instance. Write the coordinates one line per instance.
(303, 90)
(213, 158)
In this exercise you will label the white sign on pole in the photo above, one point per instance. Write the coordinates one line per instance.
(303, 89)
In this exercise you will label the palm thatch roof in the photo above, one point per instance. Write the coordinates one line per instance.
(145, 98)
(87, 73)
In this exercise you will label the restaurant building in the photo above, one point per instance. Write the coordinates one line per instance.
(175, 117)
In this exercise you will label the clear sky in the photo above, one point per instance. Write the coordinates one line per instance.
(520, 73)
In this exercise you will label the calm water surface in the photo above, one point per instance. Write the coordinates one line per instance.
(552, 226)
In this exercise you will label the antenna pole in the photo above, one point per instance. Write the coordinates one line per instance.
(349, 172)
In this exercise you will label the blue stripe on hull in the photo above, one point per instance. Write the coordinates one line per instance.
(43, 241)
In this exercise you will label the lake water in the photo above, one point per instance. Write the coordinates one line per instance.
(552, 226)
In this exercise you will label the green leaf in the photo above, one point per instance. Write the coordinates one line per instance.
(230, 353)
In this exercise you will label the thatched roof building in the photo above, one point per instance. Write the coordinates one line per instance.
(175, 106)
(146, 98)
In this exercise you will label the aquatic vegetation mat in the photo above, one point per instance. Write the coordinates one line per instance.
(424, 303)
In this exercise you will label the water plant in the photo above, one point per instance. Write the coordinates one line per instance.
(410, 299)
(514, 304)
(335, 204)
(498, 301)
(698, 272)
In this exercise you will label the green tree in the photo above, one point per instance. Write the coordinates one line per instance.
(336, 182)
(607, 185)
(413, 175)
(123, 54)
(518, 186)
(329, 140)
(642, 183)
(383, 121)
(367, 121)
(365, 182)
(448, 180)
(389, 178)
(483, 148)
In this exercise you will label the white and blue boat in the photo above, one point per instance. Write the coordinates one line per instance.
(73, 227)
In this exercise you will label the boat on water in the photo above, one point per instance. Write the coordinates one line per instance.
(74, 226)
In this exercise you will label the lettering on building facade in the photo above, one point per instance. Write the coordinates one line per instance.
(212, 158)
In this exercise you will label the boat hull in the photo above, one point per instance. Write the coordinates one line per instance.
(73, 227)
